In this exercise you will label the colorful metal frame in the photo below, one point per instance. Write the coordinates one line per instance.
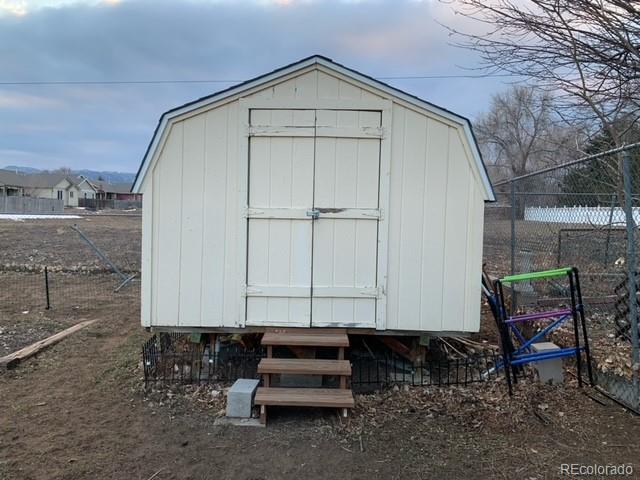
(514, 357)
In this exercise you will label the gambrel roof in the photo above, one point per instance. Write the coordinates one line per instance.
(292, 68)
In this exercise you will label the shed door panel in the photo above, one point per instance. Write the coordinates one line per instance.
(345, 235)
(279, 232)
(303, 268)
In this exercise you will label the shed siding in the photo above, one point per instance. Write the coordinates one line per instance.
(435, 241)
(195, 219)
(167, 176)
(193, 227)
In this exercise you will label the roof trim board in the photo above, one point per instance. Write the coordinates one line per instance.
(300, 65)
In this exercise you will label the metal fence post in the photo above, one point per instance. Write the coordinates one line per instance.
(46, 287)
(631, 266)
(514, 207)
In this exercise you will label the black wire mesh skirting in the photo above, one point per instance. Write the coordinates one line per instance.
(174, 359)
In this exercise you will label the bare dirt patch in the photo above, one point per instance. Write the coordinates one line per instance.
(55, 244)
(78, 411)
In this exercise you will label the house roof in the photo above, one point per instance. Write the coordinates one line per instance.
(33, 180)
(80, 180)
(122, 187)
(291, 68)
(11, 178)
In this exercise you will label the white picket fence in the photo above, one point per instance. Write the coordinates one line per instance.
(579, 215)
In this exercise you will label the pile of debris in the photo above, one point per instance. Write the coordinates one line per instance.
(609, 353)
(476, 405)
(210, 398)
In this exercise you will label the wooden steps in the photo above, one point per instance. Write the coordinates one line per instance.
(304, 341)
(305, 338)
(305, 397)
(305, 366)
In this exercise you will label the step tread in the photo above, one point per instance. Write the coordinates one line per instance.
(306, 338)
(305, 397)
(310, 366)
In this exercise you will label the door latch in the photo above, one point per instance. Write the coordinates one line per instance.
(314, 214)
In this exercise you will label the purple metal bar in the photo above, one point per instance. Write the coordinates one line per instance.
(539, 316)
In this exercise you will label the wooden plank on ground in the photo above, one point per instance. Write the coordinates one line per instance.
(14, 358)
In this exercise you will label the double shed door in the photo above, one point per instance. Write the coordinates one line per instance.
(313, 217)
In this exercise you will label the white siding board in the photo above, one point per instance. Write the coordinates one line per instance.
(192, 188)
(395, 220)
(456, 231)
(413, 190)
(328, 86)
(232, 294)
(474, 260)
(147, 254)
(214, 213)
(155, 233)
(169, 235)
(433, 225)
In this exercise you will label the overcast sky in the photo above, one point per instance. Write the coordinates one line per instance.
(108, 127)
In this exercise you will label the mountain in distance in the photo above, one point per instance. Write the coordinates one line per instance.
(22, 169)
(111, 177)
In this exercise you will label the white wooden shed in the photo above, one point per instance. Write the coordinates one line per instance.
(312, 196)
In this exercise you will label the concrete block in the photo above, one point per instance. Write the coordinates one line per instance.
(549, 371)
(240, 398)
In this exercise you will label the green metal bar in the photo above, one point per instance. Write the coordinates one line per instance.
(558, 272)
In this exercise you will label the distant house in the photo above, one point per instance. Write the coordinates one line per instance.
(53, 185)
(41, 185)
(11, 184)
(115, 191)
(87, 189)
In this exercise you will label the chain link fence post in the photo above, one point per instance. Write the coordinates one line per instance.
(514, 213)
(46, 287)
(631, 268)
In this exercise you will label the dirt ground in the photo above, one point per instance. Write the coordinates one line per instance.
(55, 244)
(78, 411)
(80, 285)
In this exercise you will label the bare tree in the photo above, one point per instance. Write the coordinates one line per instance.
(520, 133)
(586, 51)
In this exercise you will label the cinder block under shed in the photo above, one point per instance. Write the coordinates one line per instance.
(240, 398)
(549, 371)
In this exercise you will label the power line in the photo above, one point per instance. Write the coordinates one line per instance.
(116, 82)
(167, 82)
(420, 77)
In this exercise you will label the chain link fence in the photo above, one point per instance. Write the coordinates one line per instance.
(577, 215)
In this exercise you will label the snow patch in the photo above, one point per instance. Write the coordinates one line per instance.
(21, 217)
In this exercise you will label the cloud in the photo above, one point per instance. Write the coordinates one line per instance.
(13, 7)
(17, 100)
(197, 39)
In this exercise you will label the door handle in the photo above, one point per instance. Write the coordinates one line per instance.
(314, 214)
